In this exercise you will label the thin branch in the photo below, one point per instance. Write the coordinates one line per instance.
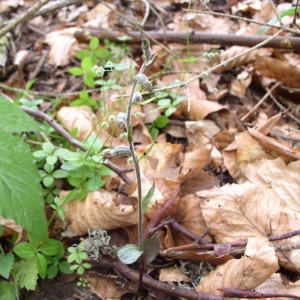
(282, 42)
(42, 116)
(27, 15)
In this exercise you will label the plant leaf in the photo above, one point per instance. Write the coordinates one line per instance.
(151, 248)
(13, 119)
(147, 198)
(6, 264)
(20, 190)
(51, 247)
(129, 254)
(8, 290)
(24, 250)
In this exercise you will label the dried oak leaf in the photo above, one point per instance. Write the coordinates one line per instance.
(254, 268)
(172, 274)
(99, 210)
(239, 211)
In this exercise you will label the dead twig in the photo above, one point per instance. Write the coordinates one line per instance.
(282, 42)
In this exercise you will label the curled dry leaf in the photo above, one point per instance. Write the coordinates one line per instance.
(239, 211)
(98, 211)
(61, 43)
(10, 227)
(254, 268)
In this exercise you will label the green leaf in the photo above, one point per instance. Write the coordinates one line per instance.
(151, 249)
(83, 53)
(20, 189)
(76, 71)
(60, 174)
(48, 181)
(48, 147)
(8, 290)
(154, 132)
(64, 267)
(24, 250)
(87, 64)
(282, 14)
(6, 264)
(41, 263)
(163, 103)
(129, 254)
(94, 43)
(26, 274)
(94, 182)
(147, 198)
(161, 121)
(102, 53)
(51, 247)
(52, 271)
(13, 119)
(89, 79)
(169, 111)
(51, 159)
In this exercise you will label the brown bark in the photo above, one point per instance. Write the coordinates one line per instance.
(283, 42)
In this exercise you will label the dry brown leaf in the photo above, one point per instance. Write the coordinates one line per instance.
(10, 227)
(199, 107)
(108, 288)
(283, 178)
(99, 210)
(61, 43)
(278, 69)
(163, 161)
(274, 147)
(172, 274)
(239, 211)
(189, 215)
(235, 50)
(240, 85)
(275, 285)
(254, 268)
(193, 164)
(81, 118)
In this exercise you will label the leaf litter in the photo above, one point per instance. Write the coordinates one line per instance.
(239, 177)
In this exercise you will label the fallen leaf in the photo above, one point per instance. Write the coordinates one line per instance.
(237, 212)
(254, 268)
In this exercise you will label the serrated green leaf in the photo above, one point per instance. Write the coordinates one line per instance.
(147, 198)
(6, 264)
(26, 274)
(20, 189)
(129, 254)
(13, 119)
(8, 290)
(24, 250)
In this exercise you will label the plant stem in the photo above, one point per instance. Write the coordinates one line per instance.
(137, 169)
